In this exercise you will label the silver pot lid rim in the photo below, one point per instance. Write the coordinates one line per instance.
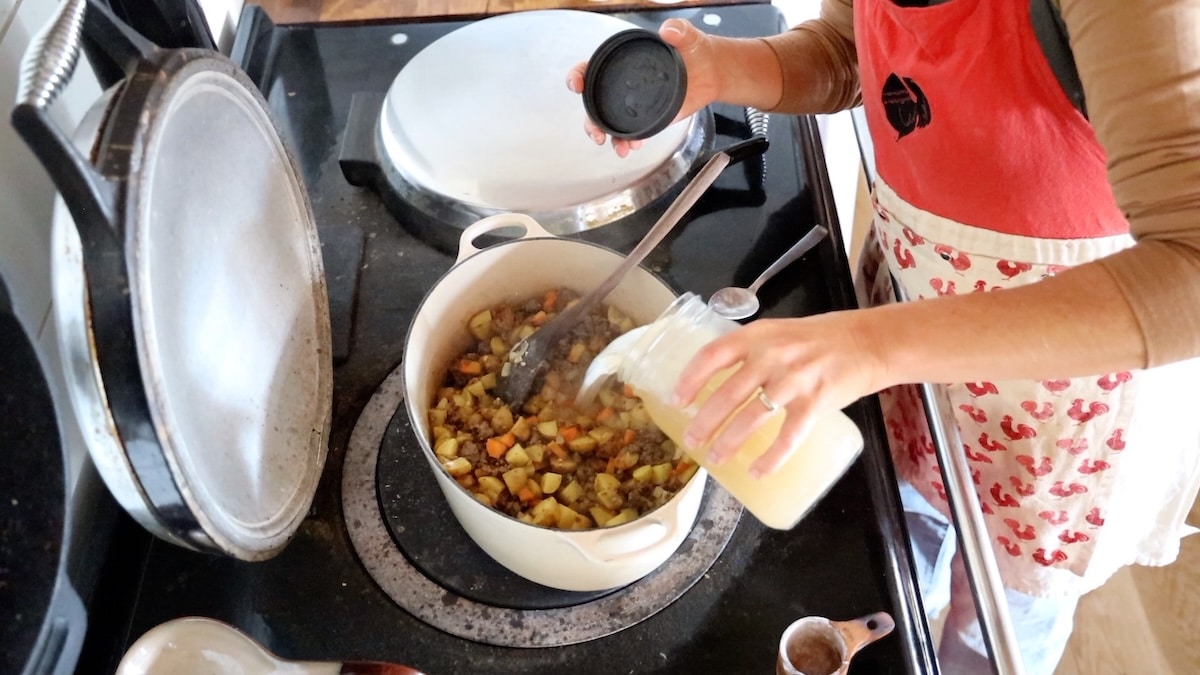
(481, 122)
(230, 312)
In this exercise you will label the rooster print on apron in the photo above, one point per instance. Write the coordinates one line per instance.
(1043, 454)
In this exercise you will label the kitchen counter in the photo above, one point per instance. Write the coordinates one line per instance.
(312, 11)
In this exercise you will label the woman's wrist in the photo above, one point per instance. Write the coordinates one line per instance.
(748, 72)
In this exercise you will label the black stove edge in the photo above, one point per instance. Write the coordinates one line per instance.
(882, 477)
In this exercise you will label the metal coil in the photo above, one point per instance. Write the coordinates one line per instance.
(52, 56)
(758, 121)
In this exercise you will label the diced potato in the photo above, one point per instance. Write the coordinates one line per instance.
(537, 453)
(520, 428)
(602, 434)
(545, 512)
(498, 346)
(440, 432)
(515, 479)
(437, 416)
(625, 516)
(689, 472)
(644, 473)
(516, 456)
(615, 316)
(575, 354)
(476, 389)
(568, 519)
(467, 480)
(484, 499)
(639, 419)
(607, 397)
(606, 482)
(571, 493)
(480, 325)
(524, 332)
(660, 473)
(612, 500)
(583, 444)
(626, 459)
(534, 487)
(601, 515)
(447, 447)
(551, 482)
(491, 486)
(488, 380)
(460, 466)
(563, 464)
(548, 429)
(502, 420)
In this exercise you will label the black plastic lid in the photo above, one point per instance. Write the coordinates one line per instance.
(635, 84)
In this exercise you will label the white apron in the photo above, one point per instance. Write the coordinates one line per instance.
(1076, 476)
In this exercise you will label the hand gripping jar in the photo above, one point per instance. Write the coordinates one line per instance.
(652, 365)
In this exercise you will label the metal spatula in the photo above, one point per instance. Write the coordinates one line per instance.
(527, 359)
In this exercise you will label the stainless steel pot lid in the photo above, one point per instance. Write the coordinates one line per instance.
(196, 327)
(228, 292)
(481, 122)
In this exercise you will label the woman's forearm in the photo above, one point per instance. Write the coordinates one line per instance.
(1074, 324)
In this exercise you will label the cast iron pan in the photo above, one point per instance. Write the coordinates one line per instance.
(41, 618)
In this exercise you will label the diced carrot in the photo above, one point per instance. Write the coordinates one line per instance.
(569, 433)
(469, 367)
(508, 440)
(612, 465)
(558, 450)
(550, 300)
(628, 437)
(628, 391)
(496, 448)
(526, 495)
(604, 414)
(682, 466)
(538, 319)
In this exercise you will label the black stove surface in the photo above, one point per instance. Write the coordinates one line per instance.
(316, 601)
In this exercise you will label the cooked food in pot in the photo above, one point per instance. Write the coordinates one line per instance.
(552, 463)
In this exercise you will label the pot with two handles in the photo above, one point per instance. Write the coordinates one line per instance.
(516, 269)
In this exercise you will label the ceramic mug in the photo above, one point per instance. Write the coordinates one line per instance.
(815, 645)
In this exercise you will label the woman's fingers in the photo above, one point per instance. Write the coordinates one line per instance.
(681, 35)
(575, 77)
(796, 427)
(736, 389)
(715, 356)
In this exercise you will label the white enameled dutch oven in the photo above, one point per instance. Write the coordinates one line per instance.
(575, 560)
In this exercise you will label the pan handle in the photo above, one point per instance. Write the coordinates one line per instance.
(47, 67)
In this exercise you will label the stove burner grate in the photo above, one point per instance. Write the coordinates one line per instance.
(542, 617)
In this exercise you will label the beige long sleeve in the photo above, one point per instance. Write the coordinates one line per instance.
(1139, 63)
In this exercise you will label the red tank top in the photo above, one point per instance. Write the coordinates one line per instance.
(969, 123)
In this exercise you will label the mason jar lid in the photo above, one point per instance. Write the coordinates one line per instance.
(635, 84)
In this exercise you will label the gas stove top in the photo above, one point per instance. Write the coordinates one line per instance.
(356, 583)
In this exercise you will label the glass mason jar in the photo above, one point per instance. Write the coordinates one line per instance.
(652, 365)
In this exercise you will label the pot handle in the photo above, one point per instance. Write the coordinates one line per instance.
(860, 632)
(466, 241)
(629, 541)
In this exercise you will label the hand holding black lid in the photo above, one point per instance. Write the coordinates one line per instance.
(677, 72)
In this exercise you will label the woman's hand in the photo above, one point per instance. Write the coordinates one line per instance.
(700, 58)
(809, 367)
